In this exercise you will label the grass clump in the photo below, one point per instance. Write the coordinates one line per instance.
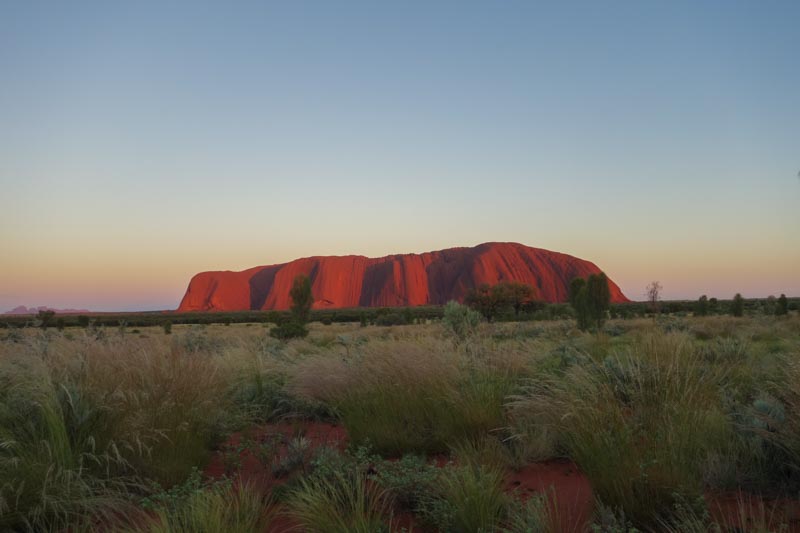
(234, 508)
(467, 499)
(343, 502)
(54, 472)
(405, 397)
(641, 424)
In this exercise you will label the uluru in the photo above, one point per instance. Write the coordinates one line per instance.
(431, 278)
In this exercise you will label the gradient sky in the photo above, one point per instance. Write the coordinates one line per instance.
(143, 142)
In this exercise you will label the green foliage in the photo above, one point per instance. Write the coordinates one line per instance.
(783, 306)
(345, 502)
(231, 508)
(392, 319)
(471, 499)
(53, 469)
(426, 415)
(460, 320)
(494, 300)
(536, 515)
(579, 300)
(302, 299)
(409, 480)
(289, 330)
(591, 299)
(631, 422)
(167, 325)
(599, 298)
(737, 305)
(45, 317)
(83, 321)
(702, 307)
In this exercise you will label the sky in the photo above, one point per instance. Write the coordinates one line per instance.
(143, 142)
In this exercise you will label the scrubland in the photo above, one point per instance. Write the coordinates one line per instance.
(679, 424)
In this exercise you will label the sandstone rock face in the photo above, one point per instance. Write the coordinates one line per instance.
(431, 278)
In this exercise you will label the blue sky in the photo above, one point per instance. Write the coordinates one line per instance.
(143, 142)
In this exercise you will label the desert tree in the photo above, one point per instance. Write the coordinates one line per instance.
(783, 305)
(302, 299)
(653, 293)
(516, 294)
(578, 299)
(737, 305)
(701, 308)
(486, 300)
(591, 299)
(598, 298)
(45, 317)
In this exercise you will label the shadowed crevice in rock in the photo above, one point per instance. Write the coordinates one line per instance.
(261, 284)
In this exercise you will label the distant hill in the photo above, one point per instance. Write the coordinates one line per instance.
(394, 280)
(22, 310)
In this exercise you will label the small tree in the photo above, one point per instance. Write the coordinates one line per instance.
(484, 300)
(45, 317)
(302, 299)
(83, 321)
(653, 292)
(504, 296)
(598, 298)
(737, 305)
(579, 301)
(783, 306)
(701, 309)
(516, 294)
(167, 325)
(591, 299)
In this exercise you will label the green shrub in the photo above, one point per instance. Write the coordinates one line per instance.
(460, 320)
(409, 480)
(289, 330)
(737, 305)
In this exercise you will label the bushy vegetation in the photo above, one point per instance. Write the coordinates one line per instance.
(104, 429)
(590, 298)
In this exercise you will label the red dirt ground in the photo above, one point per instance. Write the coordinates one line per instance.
(567, 487)
(737, 510)
(573, 494)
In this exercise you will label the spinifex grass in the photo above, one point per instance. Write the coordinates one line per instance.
(640, 424)
(345, 502)
(405, 397)
(238, 508)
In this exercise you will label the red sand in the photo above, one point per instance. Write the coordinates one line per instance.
(573, 494)
(737, 510)
(567, 488)
(395, 280)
